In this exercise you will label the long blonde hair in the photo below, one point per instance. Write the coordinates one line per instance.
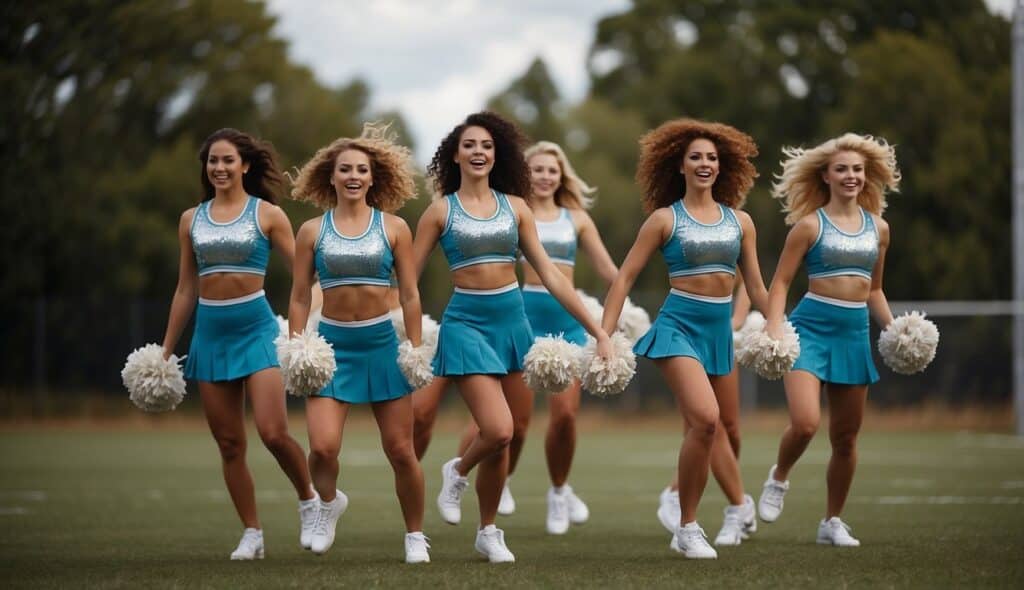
(572, 192)
(802, 189)
(390, 166)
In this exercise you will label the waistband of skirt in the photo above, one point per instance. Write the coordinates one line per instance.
(834, 301)
(535, 289)
(357, 323)
(509, 287)
(704, 298)
(233, 301)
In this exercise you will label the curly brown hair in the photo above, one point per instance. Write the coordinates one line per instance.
(263, 180)
(510, 174)
(390, 167)
(662, 151)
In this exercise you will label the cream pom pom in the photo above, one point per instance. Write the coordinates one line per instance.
(908, 344)
(633, 321)
(398, 321)
(307, 362)
(551, 365)
(603, 378)
(754, 322)
(154, 384)
(429, 329)
(593, 306)
(313, 321)
(416, 364)
(766, 356)
(282, 325)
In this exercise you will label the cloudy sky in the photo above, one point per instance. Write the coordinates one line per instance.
(438, 60)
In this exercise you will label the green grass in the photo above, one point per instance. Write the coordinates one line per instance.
(129, 509)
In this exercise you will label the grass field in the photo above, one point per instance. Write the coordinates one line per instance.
(131, 509)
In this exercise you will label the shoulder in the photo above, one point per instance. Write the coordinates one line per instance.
(881, 225)
(580, 217)
(806, 227)
(662, 216)
(516, 202)
(393, 223)
(187, 215)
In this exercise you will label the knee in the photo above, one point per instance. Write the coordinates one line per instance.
(561, 423)
(274, 439)
(423, 421)
(400, 454)
(519, 428)
(844, 444)
(323, 453)
(497, 437)
(732, 432)
(231, 447)
(704, 425)
(805, 429)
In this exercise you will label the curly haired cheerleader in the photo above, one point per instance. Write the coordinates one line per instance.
(559, 199)
(480, 222)
(225, 245)
(695, 175)
(353, 249)
(833, 196)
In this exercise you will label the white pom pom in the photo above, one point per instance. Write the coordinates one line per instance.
(551, 365)
(416, 364)
(603, 378)
(307, 362)
(429, 329)
(633, 321)
(154, 384)
(313, 321)
(282, 325)
(593, 306)
(766, 356)
(753, 323)
(398, 321)
(908, 345)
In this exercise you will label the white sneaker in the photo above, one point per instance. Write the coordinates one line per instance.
(748, 516)
(740, 522)
(772, 496)
(579, 513)
(558, 512)
(416, 546)
(250, 547)
(327, 522)
(490, 542)
(691, 541)
(308, 509)
(507, 504)
(449, 501)
(669, 512)
(836, 532)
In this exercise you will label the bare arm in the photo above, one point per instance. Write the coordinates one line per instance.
(799, 240)
(652, 235)
(185, 294)
(593, 246)
(405, 270)
(428, 232)
(740, 304)
(557, 283)
(303, 272)
(749, 265)
(878, 305)
(278, 228)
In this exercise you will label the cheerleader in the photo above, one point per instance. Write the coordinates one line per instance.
(225, 245)
(353, 249)
(695, 175)
(834, 196)
(480, 222)
(559, 199)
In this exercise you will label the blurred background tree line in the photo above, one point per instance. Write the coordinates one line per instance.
(106, 104)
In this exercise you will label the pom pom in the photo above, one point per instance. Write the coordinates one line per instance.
(767, 357)
(429, 329)
(313, 322)
(633, 321)
(416, 364)
(593, 306)
(908, 345)
(307, 362)
(551, 365)
(603, 378)
(282, 326)
(154, 384)
(753, 323)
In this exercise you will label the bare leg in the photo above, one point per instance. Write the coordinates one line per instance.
(424, 409)
(469, 434)
(560, 441)
(325, 420)
(520, 404)
(724, 465)
(266, 394)
(803, 396)
(696, 401)
(224, 406)
(846, 413)
(486, 402)
(394, 418)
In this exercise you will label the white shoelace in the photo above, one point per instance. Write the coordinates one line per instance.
(320, 524)
(250, 541)
(840, 530)
(773, 494)
(415, 541)
(559, 508)
(694, 535)
(458, 487)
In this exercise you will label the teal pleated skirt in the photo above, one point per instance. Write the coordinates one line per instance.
(547, 317)
(367, 359)
(483, 334)
(835, 343)
(232, 340)
(688, 326)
